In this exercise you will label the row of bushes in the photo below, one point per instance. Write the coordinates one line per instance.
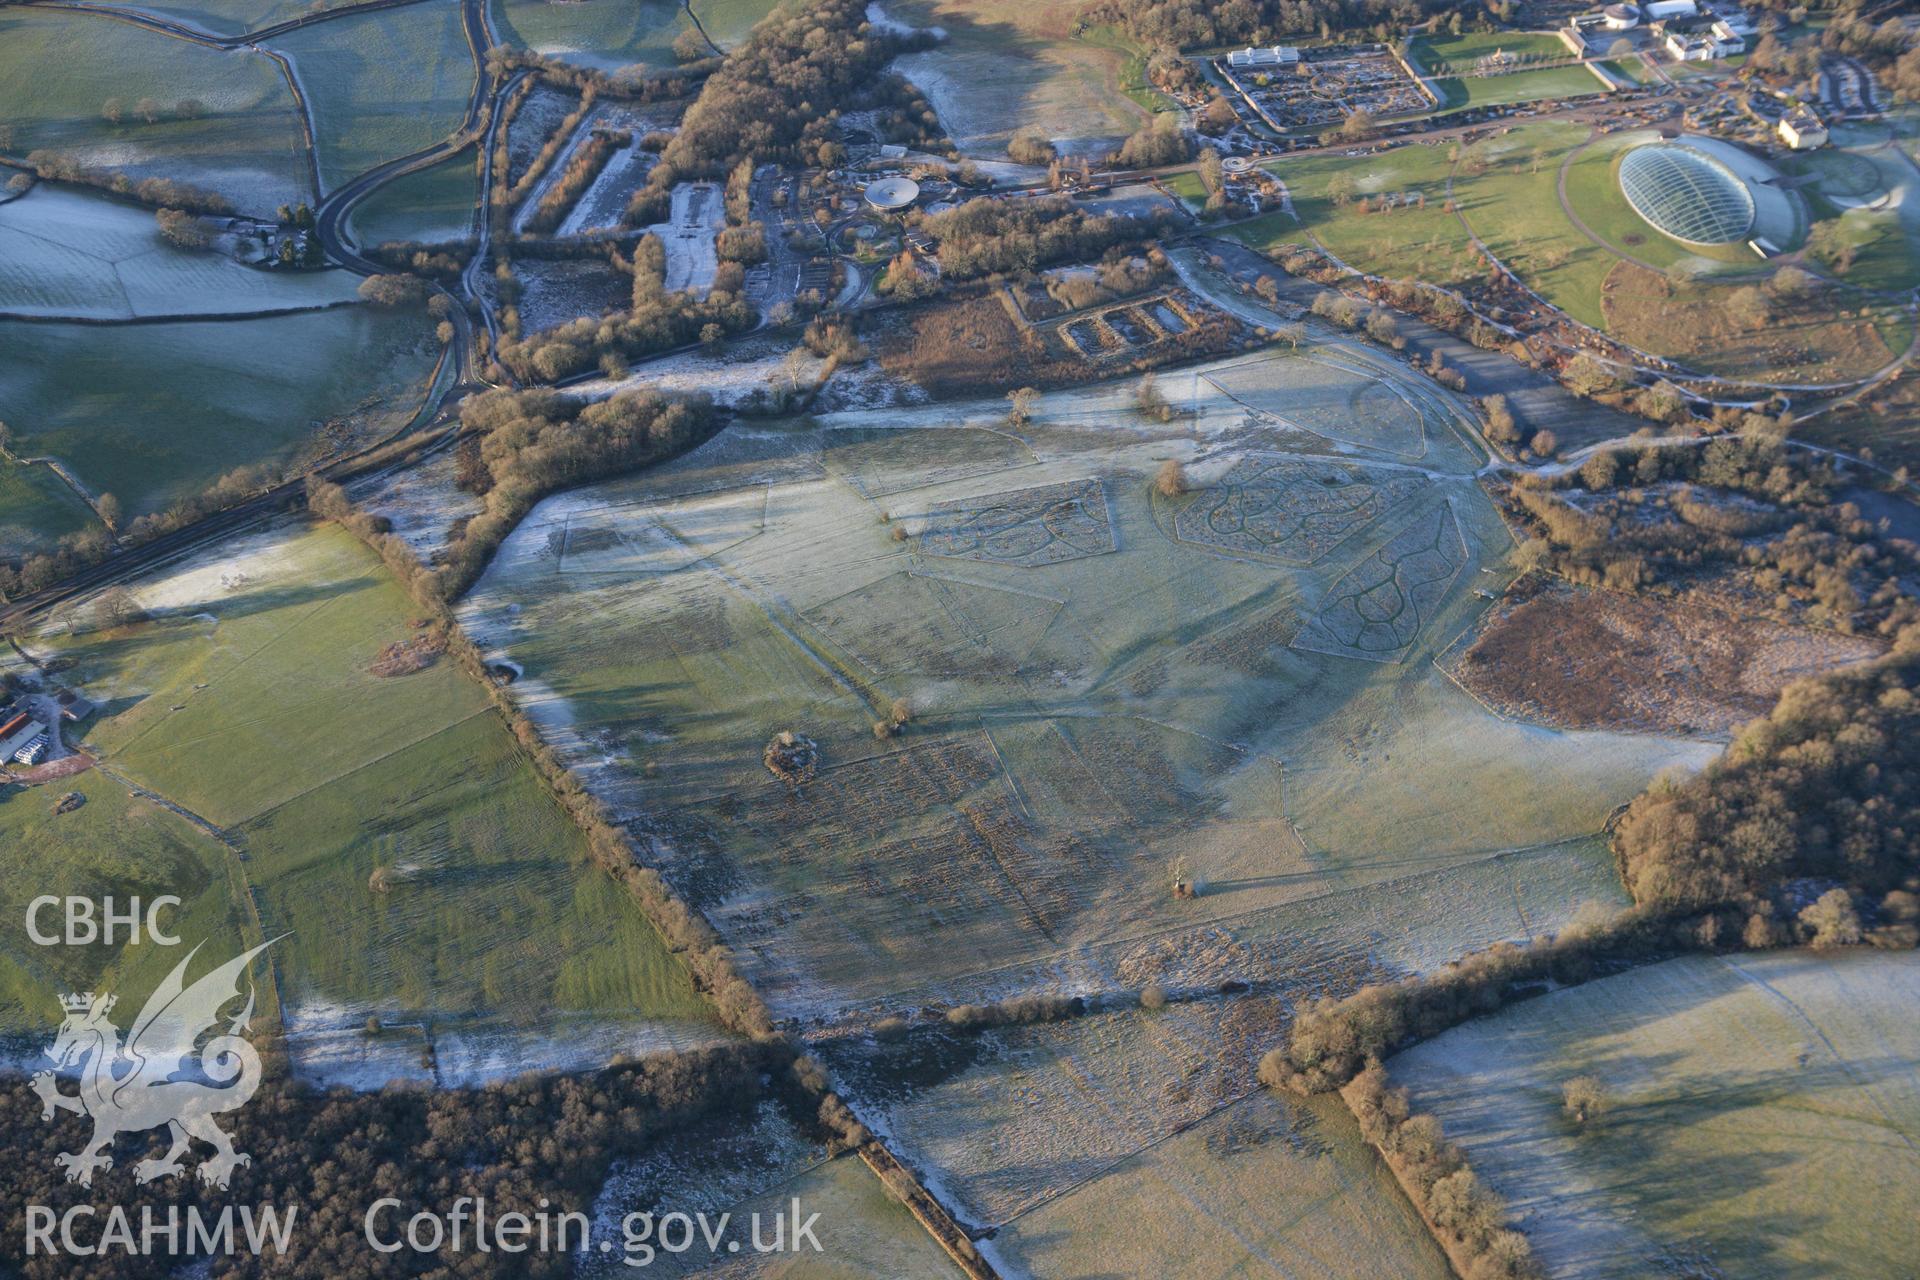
(658, 321)
(1745, 509)
(551, 148)
(54, 166)
(1333, 1039)
(1470, 1219)
(985, 236)
(582, 168)
(78, 551)
(537, 442)
(638, 83)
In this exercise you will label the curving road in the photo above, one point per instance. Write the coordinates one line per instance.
(182, 31)
(330, 218)
(431, 428)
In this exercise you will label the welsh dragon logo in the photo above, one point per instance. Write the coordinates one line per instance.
(158, 1077)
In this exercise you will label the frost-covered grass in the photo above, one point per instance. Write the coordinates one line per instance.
(1082, 720)
(432, 205)
(155, 412)
(1006, 65)
(37, 508)
(1265, 1187)
(864, 1232)
(59, 69)
(1764, 1120)
(382, 85)
(228, 17)
(69, 253)
(728, 21)
(607, 34)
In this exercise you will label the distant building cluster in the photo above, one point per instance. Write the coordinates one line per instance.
(1683, 29)
(25, 738)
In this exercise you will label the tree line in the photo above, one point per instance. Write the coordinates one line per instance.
(1746, 509)
(532, 1144)
(657, 321)
(1019, 236)
(777, 97)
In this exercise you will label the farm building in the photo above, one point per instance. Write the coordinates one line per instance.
(18, 736)
(74, 707)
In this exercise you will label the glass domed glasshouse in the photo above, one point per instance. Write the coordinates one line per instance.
(1686, 194)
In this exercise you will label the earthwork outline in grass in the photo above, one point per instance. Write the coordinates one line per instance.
(1412, 572)
(683, 549)
(1042, 525)
(1257, 510)
(1298, 419)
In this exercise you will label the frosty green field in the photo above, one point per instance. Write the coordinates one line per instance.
(155, 412)
(69, 255)
(382, 85)
(1102, 680)
(389, 825)
(60, 71)
(1739, 1083)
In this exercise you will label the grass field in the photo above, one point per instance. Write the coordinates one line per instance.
(727, 22)
(383, 84)
(1191, 190)
(1504, 189)
(1740, 1085)
(265, 650)
(432, 205)
(1863, 199)
(152, 413)
(1264, 1187)
(1454, 62)
(113, 844)
(1006, 66)
(607, 34)
(68, 253)
(37, 509)
(1103, 680)
(470, 835)
(1591, 255)
(247, 699)
(1513, 205)
(231, 17)
(59, 69)
(1420, 238)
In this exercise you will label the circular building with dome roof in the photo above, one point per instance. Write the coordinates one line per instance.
(1687, 194)
(891, 195)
